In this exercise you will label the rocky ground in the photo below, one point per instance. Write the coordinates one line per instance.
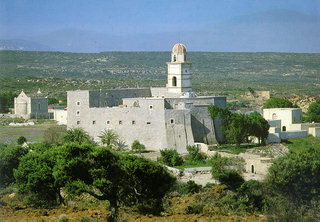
(13, 211)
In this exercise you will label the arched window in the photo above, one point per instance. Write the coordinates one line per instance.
(174, 58)
(284, 128)
(174, 81)
(274, 116)
(185, 57)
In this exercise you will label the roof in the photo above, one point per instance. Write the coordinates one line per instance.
(179, 48)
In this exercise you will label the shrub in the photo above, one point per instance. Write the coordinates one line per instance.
(54, 135)
(21, 140)
(170, 158)
(226, 170)
(9, 160)
(186, 188)
(137, 146)
(34, 177)
(313, 113)
(195, 154)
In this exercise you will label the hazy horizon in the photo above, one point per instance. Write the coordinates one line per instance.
(145, 25)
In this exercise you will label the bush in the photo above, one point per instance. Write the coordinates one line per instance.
(34, 177)
(21, 140)
(138, 147)
(252, 191)
(195, 154)
(313, 113)
(9, 160)
(186, 188)
(170, 158)
(226, 170)
(54, 135)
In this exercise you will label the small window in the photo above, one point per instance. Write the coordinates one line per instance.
(78, 103)
(148, 123)
(133, 122)
(39, 106)
(120, 122)
(284, 128)
(151, 107)
(78, 113)
(108, 122)
(78, 122)
(93, 122)
(174, 81)
(174, 58)
(172, 121)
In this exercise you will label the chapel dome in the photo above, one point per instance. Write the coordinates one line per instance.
(179, 48)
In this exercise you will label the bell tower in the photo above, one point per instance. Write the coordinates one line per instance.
(179, 76)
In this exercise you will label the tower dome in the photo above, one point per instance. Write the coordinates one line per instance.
(179, 48)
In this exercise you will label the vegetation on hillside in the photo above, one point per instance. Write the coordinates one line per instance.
(230, 73)
(278, 103)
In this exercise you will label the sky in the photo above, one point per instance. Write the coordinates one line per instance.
(23, 18)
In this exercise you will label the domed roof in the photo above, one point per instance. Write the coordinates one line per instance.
(179, 48)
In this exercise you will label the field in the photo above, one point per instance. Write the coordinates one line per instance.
(214, 73)
(10, 134)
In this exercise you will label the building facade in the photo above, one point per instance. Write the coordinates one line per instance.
(171, 117)
(33, 106)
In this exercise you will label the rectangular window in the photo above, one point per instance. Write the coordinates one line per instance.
(78, 122)
(108, 122)
(120, 122)
(151, 107)
(78, 103)
(78, 113)
(93, 122)
(133, 122)
(148, 123)
(172, 121)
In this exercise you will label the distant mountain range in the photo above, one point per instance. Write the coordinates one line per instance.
(276, 31)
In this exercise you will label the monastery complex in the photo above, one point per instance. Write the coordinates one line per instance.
(171, 117)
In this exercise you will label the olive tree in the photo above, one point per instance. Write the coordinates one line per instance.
(105, 175)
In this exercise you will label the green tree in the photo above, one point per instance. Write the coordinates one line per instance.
(108, 137)
(6, 101)
(53, 101)
(170, 157)
(296, 176)
(34, 178)
(313, 113)
(278, 103)
(138, 147)
(258, 127)
(9, 160)
(54, 135)
(77, 135)
(227, 170)
(237, 129)
(21, 140)
(120, 179)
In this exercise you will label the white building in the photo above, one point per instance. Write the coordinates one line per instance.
(285, 123)
(170, 117)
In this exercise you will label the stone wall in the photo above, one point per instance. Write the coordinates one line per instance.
(113, 97)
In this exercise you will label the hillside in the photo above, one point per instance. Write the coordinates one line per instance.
(283, 74)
